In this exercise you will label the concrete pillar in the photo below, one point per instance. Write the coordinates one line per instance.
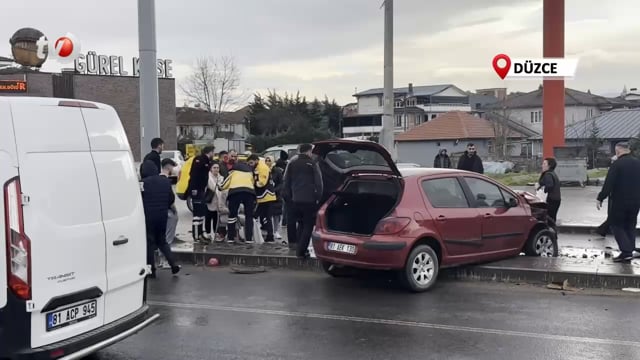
(553, 90)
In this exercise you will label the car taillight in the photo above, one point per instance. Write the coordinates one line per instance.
(390, 226)
(18, 245)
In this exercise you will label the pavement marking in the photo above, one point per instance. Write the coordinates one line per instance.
(579, 339)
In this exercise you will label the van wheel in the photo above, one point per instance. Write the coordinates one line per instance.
(542, 243)
(421, 270)
(334, 270)
(189, 204)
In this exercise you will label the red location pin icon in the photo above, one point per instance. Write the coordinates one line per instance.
(502, 71)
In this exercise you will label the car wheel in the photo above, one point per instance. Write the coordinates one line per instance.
(542, 243)
(421, 270)
(189, 204)
(334, 270)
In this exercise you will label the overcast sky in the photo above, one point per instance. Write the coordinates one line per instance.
(333, 47)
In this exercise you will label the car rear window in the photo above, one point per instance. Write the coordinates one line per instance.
(346, 159)
(445, 193)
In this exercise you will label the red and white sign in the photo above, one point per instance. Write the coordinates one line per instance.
(65, 48)
(549, 68)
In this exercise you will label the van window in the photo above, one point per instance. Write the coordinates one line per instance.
(445, 193)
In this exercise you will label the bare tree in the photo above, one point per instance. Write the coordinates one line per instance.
(502, 132)
(214, 84)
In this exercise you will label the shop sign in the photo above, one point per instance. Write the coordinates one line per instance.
(13, 86)
(93, 64)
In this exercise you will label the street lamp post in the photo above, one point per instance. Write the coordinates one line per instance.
(149, 102)
(386, 134)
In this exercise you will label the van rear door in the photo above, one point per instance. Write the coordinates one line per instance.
(62, 218)
(122, 212)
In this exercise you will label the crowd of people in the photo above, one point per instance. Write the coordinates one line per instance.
(234, 199)
(228, 194)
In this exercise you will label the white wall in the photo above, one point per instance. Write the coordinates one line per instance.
(199, 130)
(572, 114)
(369, 105)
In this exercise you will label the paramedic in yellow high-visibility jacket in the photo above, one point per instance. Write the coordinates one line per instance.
(265, 194)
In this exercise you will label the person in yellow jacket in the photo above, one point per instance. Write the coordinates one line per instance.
(241, 191)
(265, 194)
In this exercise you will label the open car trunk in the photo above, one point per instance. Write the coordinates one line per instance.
(361, 204)
(365, 180)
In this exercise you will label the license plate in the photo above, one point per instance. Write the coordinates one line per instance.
(343, 248)
(72, 315)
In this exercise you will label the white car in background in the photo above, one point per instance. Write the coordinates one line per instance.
(176, 156)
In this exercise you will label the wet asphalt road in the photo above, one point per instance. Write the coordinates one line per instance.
(215, 314)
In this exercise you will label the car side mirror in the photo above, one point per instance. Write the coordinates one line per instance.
(512, 202)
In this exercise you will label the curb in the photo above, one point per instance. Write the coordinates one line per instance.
(487, 272)
(580, 229)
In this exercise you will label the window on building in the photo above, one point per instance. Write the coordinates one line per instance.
(398, 120)
(416, 119)
(379, 100)
(208, 130)
(433, 116)
(532, 119)
(398, 103)
(540, 116)
(184, 130)
(411, 102)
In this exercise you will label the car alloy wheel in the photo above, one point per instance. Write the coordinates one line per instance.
(542, 243)
(421, 269)
(545, 246)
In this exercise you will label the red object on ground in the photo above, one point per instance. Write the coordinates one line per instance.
(213, 262)
(553, 115)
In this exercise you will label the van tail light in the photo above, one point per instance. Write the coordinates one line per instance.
(18, 245)
(392, 225)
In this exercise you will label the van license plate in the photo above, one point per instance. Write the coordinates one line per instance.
(343, 248)
(72, 315)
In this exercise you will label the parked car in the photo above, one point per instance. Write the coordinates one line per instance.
(407, 165)
(275, 151)
(418, 220)
(73, 260)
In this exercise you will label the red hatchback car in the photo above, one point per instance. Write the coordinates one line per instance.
(419, 220)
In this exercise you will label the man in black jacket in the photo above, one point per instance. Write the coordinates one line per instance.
(470, 161)
(302, 190)
(623, 190)
(198, 181)
(157, 145)
(157, 199)
(442, 160)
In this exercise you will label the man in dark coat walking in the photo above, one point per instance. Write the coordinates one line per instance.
(442, 160)
(470, 161)
(302, 190)
(157, 199)
(622, 189)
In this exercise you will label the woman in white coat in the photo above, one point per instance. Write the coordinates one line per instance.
(216, 204)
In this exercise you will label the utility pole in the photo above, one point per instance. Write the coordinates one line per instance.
(149, 102)
(386, 134)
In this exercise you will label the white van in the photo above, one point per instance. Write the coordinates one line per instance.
(72, 259)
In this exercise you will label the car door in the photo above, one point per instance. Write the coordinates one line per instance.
(458, 224)
(502, 224)
(122, 212)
